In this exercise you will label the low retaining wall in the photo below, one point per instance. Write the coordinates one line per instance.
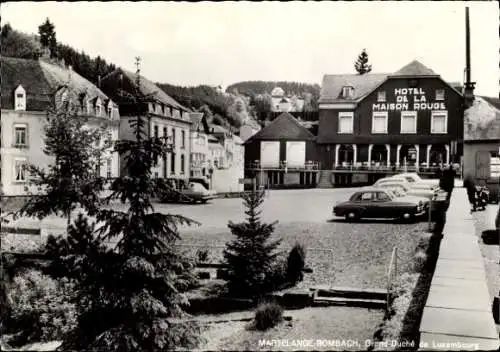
(458, 311)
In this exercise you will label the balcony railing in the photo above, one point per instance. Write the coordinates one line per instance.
(383, 167)
(308, 165)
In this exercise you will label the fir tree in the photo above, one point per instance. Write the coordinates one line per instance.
(70, 181)
(128, 292)
(48, 36)
(361, 65)
(251, 256)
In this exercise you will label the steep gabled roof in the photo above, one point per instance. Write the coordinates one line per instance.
(41, 80)
(415, 68)
(331, 88)
(285, 126)
(112, 81)
(482, 120)
(198, 122)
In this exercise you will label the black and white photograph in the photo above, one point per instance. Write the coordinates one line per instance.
(250, 176)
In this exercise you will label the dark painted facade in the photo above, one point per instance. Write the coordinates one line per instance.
(416, 94)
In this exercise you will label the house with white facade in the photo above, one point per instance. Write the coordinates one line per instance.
(31, 89)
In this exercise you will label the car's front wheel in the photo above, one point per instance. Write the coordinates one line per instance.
(352, 216)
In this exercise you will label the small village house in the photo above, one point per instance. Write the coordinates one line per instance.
(280, 102)
(31, 88)
(481, 160)
(282, 154)
(165, 118)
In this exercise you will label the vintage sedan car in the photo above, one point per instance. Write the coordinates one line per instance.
(193, 193)
(392, 182)
(417, 185)
(413, 177)
(373, 202)
(401, 191)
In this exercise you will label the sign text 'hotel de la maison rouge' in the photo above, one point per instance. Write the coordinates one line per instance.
(412, 99)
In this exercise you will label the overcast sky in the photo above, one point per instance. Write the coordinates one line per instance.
(223, 43)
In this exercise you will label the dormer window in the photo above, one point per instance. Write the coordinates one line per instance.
(110, 111)
(440, 94)
(98, 107)
(20, 98)
(381, 97)
(347, 91)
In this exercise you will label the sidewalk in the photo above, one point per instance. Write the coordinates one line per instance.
(457, 314)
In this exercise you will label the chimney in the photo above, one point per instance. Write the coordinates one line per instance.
(468, 85)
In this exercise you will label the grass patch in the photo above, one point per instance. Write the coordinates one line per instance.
(408, 296)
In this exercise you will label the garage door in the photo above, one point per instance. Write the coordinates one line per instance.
(295, 154)
(270, 154)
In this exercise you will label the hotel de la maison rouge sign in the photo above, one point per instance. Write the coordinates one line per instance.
(409, 99)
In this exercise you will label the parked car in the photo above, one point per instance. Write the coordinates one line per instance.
(417, 185)
(373, 202)
(414, 177)
(401, 191)
(405, 186)
(193, 193)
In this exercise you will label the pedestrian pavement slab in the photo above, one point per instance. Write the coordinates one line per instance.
(455, 251)
(458, 283)
(458, 322)
(446, 270)
(443, 342)
(466, 297)
(471, 264)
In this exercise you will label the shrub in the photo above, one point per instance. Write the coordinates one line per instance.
(41, 307)
(420, 260)
(268, 315)
(276, 277)
(296, 263)
(202, 255)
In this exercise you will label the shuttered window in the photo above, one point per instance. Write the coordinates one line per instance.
(346, 121)
(439, 122)
(379, 122)
(408, 122)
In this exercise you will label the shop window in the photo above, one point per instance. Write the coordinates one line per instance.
(346, 122)
(439, 122)
(379, 122)
(408, 122)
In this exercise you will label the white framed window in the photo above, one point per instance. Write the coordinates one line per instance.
(183, 164)
(20, 98)
(20, 135)
(346, 122)
(495, 164)
(173, 136)
(439, 94)
(89, 108)
(156, 131)
(379, 122)
(347, 91)
(408, 122)
(439, 122)
(98, 107)
(183, 139)
(20, 170)
(110, 111)
(381, 98)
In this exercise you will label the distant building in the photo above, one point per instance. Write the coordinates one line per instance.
(248, 128)
(282, 154)
(31, 88)
(282, 103)
(200, 151)
(165, 117)
(226, 161)
(482, 143)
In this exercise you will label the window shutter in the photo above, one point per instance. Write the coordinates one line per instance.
(483, 165)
